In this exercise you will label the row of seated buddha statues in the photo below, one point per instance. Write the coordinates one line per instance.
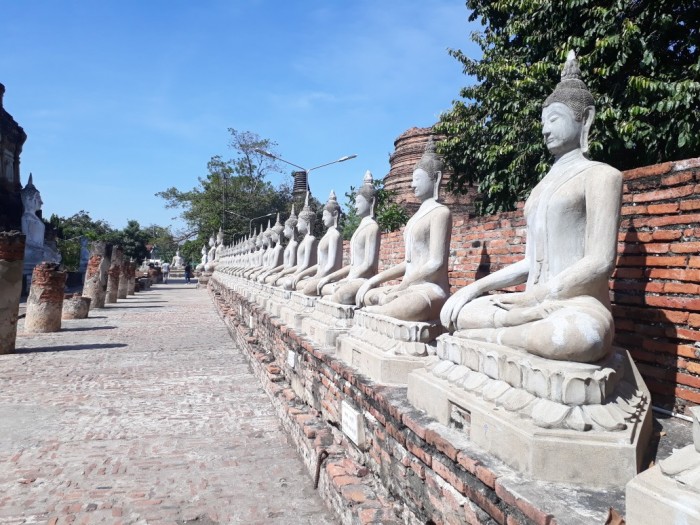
(532, 376)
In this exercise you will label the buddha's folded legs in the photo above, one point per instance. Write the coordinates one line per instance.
(579, 329)
(309, 286)
(419, 303)
(343, 292)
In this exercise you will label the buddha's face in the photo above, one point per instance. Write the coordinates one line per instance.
(288, 231)
(561, 130)
(328, 218)
(275, 237)
(362, 206)
(303, 226)
(422, 184)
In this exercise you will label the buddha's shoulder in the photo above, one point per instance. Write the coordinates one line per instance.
(601, 171)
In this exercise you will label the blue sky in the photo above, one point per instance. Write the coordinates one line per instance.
(121, 99)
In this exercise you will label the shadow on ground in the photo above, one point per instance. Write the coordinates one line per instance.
(68, 348)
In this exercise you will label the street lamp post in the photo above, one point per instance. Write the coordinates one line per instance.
(250, 223)
(305, 170)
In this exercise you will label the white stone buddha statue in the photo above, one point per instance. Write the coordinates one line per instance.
(329, 254)
(572, 223)
(306, 250)
(32, 226)
(289, 256)
(178, 261)
(424, 283)
(342, 286)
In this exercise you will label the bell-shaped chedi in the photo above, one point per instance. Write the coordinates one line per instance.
(408, 149)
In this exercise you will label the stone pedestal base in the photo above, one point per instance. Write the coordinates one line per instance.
(552, 420)
(387, 349)
(327, 322)
(204, 278)
(653, 498)
(278, 298)
(294, 311)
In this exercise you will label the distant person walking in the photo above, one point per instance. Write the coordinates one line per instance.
(165, 268)
(188, 273)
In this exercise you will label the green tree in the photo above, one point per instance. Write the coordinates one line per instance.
(390, 216)
(233, 192)
(69, 230)
(640, 59)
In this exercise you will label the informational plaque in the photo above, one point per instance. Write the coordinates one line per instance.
(353, 424)
(291, 358)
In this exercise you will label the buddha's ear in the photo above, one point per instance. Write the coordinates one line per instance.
(436, 188)
(588, 116)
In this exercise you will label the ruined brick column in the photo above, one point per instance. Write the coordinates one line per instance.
(95, 286)
(45, 301)
(131, 287)
(123, 280)
(11, 263)
(115, 269)
(75, 306)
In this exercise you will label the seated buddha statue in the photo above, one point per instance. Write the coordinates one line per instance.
(424, 284)
(342, 286)
(572, 217)
(329, 254)
(306, 250)
(289, 256)
(32, 226)
(261, 255)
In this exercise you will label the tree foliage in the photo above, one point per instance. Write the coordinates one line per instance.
(231, 193)
(132, 238)
(640, 59)
(390, 216)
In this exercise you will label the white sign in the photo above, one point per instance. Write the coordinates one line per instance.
(291, 358)
(353, 424)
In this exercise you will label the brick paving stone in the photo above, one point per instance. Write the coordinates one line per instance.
(144, 412)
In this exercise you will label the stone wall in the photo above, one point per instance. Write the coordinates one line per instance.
(409, 470)
(655, 288)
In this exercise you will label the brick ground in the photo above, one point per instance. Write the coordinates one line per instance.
(144, 413)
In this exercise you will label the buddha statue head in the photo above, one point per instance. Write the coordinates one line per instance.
(31, 198)
(259, 238)
(427, 174)
(366, 196)
(220, 237)
(212, 240)
(290, 224)
(277, 229)
(267, 234)
(331, 211)
(307, 218)
(568, 113)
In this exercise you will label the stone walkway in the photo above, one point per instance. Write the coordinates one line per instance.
(144, 413)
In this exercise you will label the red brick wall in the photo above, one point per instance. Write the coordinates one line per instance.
(655, 288)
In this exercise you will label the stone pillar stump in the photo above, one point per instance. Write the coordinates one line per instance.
(123, 280)
(11, 264)
(45, 301)
(95, 286)
(114, 274)
(131, 287)
(75, 306)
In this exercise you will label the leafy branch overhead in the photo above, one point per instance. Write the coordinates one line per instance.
(641, 61)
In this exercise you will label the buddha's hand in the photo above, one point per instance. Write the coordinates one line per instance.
(360, 296)
(532, 297)
(323, 282)
(453, 306)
